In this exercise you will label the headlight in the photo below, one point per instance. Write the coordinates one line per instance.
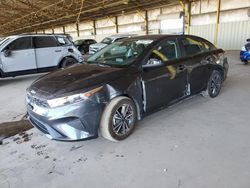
(72, 98)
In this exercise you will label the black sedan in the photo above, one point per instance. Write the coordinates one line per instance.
(122, 83)
(83, 45)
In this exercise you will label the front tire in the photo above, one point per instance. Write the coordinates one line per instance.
(118, 119)
(68, 61)
(214, 84)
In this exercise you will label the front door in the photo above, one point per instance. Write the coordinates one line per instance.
(21, 56)
(167, 83)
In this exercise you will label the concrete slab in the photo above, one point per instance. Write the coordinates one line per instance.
(13, 92)
(200, 142)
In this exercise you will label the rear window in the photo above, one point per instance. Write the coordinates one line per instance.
(45, 42)
(209, 46)
(63, 40)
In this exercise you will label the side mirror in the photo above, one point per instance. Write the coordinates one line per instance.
(152, 63)
(248, 40)
(7, 52)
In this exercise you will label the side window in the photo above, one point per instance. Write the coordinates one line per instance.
(167, 50)
(23, 43)
(45, 42)
(193, 46)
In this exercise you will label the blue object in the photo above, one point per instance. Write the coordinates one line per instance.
(245, 52)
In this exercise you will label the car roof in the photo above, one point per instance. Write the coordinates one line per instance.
(121, 36)
(85, 39)
(160, 37)
(39, 34)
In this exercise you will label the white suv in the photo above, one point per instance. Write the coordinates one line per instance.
(27, 54)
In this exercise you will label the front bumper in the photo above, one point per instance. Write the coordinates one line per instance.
(79, 121)
(245, 55)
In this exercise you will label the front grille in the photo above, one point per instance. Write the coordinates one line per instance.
(39, 102)
(93, 50)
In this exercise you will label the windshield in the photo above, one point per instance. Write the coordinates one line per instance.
(78, 42)
(107, 41)
(120, 53)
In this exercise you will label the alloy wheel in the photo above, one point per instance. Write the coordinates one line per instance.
(123, 120)
(215, 84)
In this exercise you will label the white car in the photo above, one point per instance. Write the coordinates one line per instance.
(107, 41)
(36, 53)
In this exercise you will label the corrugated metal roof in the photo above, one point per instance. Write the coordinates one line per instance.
(18, 16)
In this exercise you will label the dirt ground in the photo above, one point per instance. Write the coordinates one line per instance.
(200, 142)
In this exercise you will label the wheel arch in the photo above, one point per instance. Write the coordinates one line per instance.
(218, 68)
(138, 109)
(1, 73)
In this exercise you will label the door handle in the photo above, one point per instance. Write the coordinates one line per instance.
(58, 50)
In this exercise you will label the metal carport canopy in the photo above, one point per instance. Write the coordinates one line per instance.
(20, 16)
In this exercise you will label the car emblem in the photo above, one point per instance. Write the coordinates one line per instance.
(33, 92)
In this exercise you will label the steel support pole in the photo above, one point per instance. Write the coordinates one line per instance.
(116, 25)
(94, 27)
(77, 29)
(217, 22)
(187, 13)
(146, 22)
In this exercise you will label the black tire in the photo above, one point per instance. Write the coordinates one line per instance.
(68, 61)
(244, 62)
(118, 119)
(214, 84)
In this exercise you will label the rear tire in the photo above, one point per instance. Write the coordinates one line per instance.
(68, 61)
(118, 119)
(214, 84)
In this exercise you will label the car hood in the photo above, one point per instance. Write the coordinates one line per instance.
(72, 79)
(98, 45)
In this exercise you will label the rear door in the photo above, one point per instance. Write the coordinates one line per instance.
(21, 57)
(48, 51)
(167, 83)
(194, 53)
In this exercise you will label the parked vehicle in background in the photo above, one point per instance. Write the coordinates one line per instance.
(245, 53)
(107, 41)
(83, 45)
(122, 83)
(36, 53)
